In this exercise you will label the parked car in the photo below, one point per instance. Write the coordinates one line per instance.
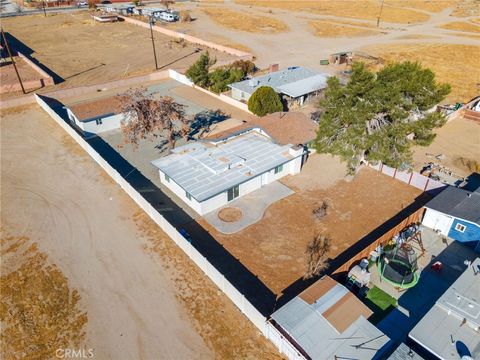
(105, 2)
(82, 4)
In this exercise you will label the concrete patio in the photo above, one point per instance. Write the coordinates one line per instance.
(252, 206)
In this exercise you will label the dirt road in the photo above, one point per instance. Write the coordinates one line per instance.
(54, 194)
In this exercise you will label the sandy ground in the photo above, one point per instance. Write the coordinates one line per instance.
(458, 138)
(83, 51)
(355, 208)
(8, 75)
(143, 297)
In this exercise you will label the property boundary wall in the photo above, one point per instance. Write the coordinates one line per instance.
(414, 179)
(242, 54)
(260, 321)
(218, 279)
(82, 90)
(382, 240)
(226, 99)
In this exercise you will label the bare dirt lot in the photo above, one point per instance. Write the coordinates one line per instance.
(83, 51)
(9, 77)
(460, 138)
(143, 298)
(274, 248)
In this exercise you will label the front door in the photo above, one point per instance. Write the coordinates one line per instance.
(232, 193)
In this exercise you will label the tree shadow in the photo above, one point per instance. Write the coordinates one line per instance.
(202, 121)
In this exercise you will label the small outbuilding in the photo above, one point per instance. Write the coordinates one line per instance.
(327, 321)
(93, 117)
(295, 84)
(455, 213)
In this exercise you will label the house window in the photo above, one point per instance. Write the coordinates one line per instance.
(232, 193)
(278, 169)
(460, 227)
(167, 178)
(189, 197)
(99, 121)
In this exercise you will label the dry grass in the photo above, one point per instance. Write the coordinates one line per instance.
(467, 8)
(454, 64)
(471, 36)
(368, 9)
(425, 5)
(38, 311)
(217, 320)
(243, 22)
(328, 29)
(363, 24)
(475, 21)
(227, 42)
(461, 26)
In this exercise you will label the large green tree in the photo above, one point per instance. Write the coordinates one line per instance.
(378, 117)
(198, 71)
(264, 101)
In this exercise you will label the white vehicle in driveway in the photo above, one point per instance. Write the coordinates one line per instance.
(167, 16)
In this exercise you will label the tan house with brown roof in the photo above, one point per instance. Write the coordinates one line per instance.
(93, 117)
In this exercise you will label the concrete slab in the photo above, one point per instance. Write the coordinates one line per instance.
(252, 205)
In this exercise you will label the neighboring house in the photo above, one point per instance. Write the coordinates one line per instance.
(122, 9)
(294, 84)
(93, 117)
(207, 175)
(149, 11)
(283, 127)
(455, 213)
(451, 329)
(327, 321)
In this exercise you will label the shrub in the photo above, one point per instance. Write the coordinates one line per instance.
(198, 72)
(264, 101)
(247, 66)
(222, 77)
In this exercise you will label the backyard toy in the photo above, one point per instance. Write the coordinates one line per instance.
(398, 266)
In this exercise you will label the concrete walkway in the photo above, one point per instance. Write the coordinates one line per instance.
(252, 205)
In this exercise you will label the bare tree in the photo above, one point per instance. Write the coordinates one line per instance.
(149, 118)
(317, 255)
(167, 3)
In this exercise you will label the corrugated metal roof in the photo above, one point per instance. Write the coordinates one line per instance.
(300, 81)
(304, 86)
(319, 338)
(205, 170)
(459, 203)
(445, 321)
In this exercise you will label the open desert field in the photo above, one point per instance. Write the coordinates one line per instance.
(275, 250)
(77, 245)
(440, 34)
(83, 51)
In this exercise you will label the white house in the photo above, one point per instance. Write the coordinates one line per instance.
(93, 117)
(207, 175)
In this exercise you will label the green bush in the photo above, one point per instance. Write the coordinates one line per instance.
(264, 101)
(198, 72)
(220, 78)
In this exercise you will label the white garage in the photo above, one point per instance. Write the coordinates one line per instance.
(437, 221)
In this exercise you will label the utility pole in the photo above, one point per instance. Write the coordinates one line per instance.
(43, 5)
(380, 14)
(153, 42)
(13, 61)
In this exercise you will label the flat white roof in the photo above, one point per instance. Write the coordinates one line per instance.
(455, 316)
(204, 170)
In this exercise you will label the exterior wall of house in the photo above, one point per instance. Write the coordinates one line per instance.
(470, 234)
(91, 127)
(240, 95)
(437, 221)
(217, 201)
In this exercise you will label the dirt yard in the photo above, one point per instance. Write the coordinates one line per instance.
(142, 296)
(457, 139)
(83, 51)
(9, 77)
(274, 250)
